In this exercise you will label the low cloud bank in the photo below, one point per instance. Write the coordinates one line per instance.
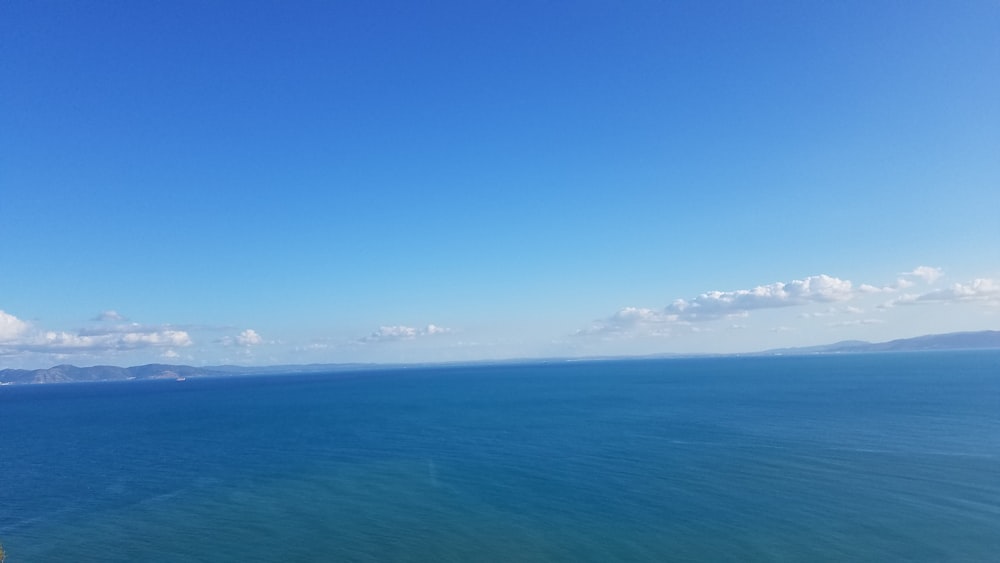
(401, 332)
(822, 288)
(18, 336)
(981, 290)
(717, 304)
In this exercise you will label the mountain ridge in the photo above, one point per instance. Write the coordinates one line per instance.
(65, 373)
(973, 340)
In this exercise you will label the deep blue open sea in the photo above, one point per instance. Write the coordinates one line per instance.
(884, 457)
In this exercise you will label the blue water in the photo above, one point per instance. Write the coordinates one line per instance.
(835, 458)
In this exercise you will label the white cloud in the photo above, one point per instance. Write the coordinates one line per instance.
(982, 289)
(11, 327)
(17, 336)
(833, 311)
(905, 299)
(717, 304)
(822, 288)
(901, 283)
(103, 330)
(246, 338)
(162, 338)
(636, 316)
(929, 274)
(868, 288)
(249, 337)
(632, 320)
(713, 305)
(68, 343)
(402, 332)
(396, 332)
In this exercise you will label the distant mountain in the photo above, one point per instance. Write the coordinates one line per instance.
(73, 374)
(982, 340)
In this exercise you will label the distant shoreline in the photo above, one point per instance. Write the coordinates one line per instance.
(956, 341)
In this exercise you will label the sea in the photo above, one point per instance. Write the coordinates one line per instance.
(877, 457)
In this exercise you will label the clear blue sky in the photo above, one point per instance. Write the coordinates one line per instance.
(269, 182)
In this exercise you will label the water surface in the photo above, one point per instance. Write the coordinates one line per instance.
(825, 458)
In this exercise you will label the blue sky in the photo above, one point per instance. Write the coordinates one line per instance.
(265, 182)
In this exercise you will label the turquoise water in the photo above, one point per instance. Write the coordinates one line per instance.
(832, 458)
